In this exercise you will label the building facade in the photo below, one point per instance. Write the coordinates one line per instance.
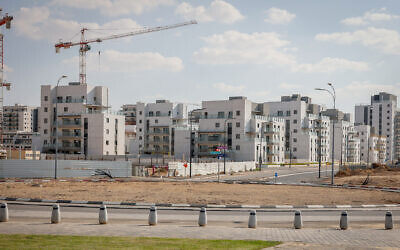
(380, 115)
(84, 123)
(129, 111)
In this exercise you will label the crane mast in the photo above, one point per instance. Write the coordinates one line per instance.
(84, 46)
(6, 19)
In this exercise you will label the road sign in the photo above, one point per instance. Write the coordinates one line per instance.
(185, 165)
(276, 174)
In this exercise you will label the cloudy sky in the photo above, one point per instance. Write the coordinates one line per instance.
(260, 49)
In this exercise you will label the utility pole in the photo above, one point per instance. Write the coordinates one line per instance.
(261, 137)
(320, 146)
(56, 116)
(191, 140)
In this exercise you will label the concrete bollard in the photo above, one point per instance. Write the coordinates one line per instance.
(343, 221)
(253, 219)
(153, 216)
(3, 212)
(203, 217)
(388, 220)
(55, 214)
(103, 217)
(298, 222)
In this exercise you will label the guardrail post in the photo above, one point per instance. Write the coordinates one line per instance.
(55, 214)
(203, 217)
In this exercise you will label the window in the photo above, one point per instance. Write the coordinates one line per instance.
(237, 147)
(65, 109)
(221, 114)
(140, 138)
(140, 121)
(237, 112)
(140, 112)
(288, 113)
(295, 111)
(238, 136)
(140, 129)
(294, 130)
(294, 139)
(155, 121)
(158, 113)
(230, 114)
(217, 124)
(46, 98)
(68, 99)
(107, 131)
(108, 121)
(238, 124)
(151, 113)
(45, 131)
(294, 149)
(45, 120)
(295, 121)
(46, 109)
(107, 142)
(280, 113)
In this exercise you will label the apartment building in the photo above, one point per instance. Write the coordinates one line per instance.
(347, 144)
(397, 136)
(303, 124)
(129, 111)
(380, 115)
(372, 146)
(155, 126)
(85, 123)
(237, 126)
(19, 118)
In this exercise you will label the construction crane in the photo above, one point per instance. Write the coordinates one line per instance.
(4, 20)
(85, 47)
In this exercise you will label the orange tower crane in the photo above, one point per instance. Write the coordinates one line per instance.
(85, 47)
(6, 19)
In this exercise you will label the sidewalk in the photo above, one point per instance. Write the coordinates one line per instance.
(329, 237)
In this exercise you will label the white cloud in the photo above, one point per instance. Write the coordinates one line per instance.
(233, 47)
(279, 16)
(369, 17)
(385, 40)
(115, 7)
(115, 61)
(359, 91)
(223, 87)
(219, 11)
(329, 64)
(37, 24)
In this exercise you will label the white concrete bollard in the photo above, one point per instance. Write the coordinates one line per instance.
(3, 212)
(103, 216)
(55, 214)
(153, 216)
(343, 221)
(298, 222)
(203, 217)
(388, 220)
(252, 219)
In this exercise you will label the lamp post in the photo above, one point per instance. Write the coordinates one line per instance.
(190, 145)
(333, 94)
(225, 142)
(56, 116)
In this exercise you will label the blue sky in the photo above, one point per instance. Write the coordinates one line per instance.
(259, 49)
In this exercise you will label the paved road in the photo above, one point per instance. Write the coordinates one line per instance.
(321, 218)
(320, 226)
(294, 174)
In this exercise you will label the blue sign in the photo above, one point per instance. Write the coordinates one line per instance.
(276, 174)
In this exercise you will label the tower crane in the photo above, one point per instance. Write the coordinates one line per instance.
(6, 19)
(85, 47)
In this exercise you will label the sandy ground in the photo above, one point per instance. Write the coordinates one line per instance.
(377, 177)
(196, 193)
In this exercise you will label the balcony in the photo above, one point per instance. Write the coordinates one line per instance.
(69, 124)
(272, 141)
(272, 152)
(70, 135)
(271, 131)
(158, 132)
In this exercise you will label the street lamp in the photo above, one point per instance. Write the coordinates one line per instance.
(333, 94)
(225, 136)
(56, 116)
(190, 145)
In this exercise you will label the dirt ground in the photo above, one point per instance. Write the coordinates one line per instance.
(196, 193)
(380, 176)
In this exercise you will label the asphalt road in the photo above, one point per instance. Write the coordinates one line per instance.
(294, 174)
(312, 218)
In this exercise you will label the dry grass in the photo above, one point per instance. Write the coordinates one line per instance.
(379, 175)
(196, 193)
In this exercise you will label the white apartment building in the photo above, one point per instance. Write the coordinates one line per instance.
(303, 125)
(347, 144)
(397, 136)
(129, 111)
(372, 146)
(85, 124)
(237, 126)
(19, 118)
(380, 115)
(155, 126)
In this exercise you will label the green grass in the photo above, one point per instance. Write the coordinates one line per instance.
(19, 241)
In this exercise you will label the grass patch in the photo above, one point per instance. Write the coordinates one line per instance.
(20, 241)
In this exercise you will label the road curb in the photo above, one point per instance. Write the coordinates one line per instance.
(146, 204)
